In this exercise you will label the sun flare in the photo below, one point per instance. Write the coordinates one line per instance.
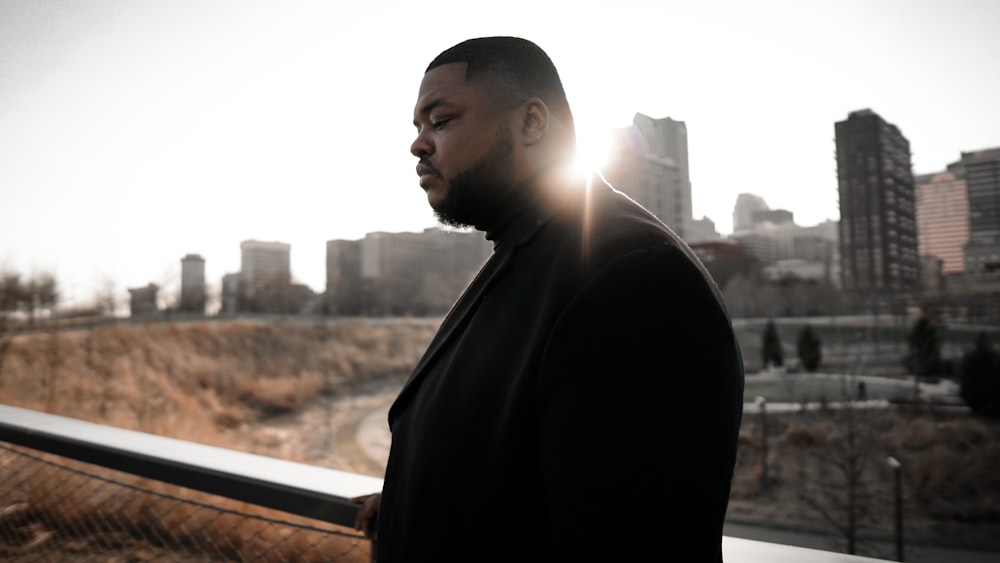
(592, 150)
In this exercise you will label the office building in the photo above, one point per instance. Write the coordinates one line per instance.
(743, 211)
(702, 230)
(773, 216)
(878, 232)
(264, 266)
(143, 301)
(402, 273)
(230, 294)
(931, 273)
(344, 284)
(649, 163)
(943, 218)
(762, 247)
(982, 179)
(192, 284)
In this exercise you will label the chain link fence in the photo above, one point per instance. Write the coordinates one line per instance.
(57, 509)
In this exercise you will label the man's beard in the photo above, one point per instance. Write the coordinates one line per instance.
(475, 194)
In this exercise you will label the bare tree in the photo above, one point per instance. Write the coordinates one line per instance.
(23, 298)
(40, 295)
(10, 297)
(836, 486)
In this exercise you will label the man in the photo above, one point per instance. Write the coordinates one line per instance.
(582, 400)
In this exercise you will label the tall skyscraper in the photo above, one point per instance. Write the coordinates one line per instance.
(878, 231)
(649, 163)
(193, 284)
(982, 178)
(943, 218)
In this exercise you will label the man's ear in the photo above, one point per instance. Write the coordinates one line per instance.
(534, 121)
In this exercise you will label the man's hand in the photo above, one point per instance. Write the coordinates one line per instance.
(366, 515)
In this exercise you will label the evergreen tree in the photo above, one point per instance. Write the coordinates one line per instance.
(924, 357)
(981, 378)
(772, 352)
(810, 349)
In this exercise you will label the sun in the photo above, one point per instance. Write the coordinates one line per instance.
(592, 149)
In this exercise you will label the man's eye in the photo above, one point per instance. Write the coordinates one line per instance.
(439, 124)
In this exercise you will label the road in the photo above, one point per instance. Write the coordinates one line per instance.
(882, 549)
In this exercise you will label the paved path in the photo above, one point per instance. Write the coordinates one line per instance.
(883, 549)
(373, 434)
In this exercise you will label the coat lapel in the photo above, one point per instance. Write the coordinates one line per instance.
(529, 226)
(453, 323)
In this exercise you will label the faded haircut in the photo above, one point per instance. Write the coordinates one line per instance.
(513, 69)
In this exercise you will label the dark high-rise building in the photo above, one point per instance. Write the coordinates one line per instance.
(982, 180)
(878, 231)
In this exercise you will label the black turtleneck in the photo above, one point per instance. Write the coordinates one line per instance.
(527, 206)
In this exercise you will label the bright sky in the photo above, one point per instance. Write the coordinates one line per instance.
(133, 132)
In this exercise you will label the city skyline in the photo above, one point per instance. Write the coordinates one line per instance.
(135, 133)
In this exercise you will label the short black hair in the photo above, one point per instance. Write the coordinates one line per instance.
(515, 69)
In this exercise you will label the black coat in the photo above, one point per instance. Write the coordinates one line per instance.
(581, 402)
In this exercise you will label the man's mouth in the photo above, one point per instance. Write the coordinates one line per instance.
(426, 173)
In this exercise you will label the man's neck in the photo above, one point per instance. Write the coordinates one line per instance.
(540, 194)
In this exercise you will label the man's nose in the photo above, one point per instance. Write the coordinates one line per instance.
(421, 146)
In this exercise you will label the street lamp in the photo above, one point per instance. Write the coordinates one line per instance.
(761, 403)
(897, 469)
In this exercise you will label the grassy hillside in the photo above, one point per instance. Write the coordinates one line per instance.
(198, 381)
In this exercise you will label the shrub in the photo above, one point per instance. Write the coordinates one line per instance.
(810, 349)
(772, 353)
(924, 356)
(981, 378)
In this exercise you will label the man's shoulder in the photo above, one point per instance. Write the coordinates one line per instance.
(618, 222)
(596, 228)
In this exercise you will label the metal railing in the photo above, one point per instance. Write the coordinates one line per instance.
(142, 493)
(76, 491)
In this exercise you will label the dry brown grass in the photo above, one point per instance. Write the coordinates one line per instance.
(198, 381)
(205, 382)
